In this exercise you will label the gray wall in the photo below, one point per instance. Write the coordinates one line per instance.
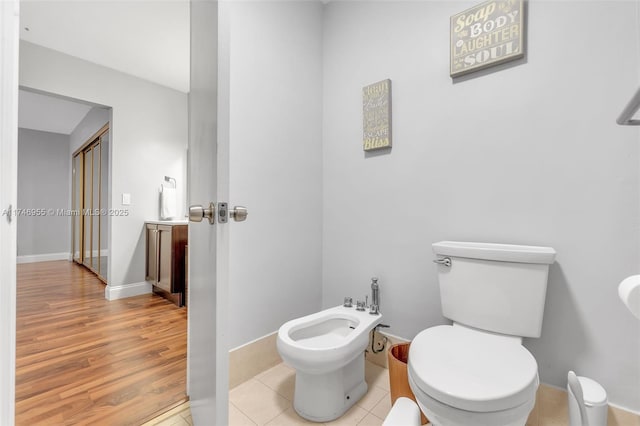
(95, 119)
(43, 183)
(529, 154)
(148, 141)
(275, 68)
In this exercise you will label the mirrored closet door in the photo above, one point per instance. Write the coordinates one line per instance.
(90, 204)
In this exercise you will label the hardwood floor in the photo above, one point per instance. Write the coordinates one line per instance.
(83, 360)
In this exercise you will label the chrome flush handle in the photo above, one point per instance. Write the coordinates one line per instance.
(444, 261)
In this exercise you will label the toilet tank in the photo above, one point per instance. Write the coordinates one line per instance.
(494, 287)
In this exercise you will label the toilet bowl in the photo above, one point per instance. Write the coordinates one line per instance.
(327, 351)
(462, 376)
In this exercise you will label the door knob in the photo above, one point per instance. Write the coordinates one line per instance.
(239, 213)
(197, 213)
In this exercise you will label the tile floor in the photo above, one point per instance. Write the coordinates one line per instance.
(267, 399)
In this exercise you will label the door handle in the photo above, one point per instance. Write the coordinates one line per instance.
(197, 213)
(239, 213)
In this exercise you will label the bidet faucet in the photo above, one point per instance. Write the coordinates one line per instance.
(375, 296)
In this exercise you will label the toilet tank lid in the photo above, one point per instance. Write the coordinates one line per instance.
(497, 252)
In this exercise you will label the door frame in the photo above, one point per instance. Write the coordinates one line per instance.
(10, 42)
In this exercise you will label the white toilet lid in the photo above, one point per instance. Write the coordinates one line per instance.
(472, 370)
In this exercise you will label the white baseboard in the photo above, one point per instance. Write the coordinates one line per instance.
(32, 258)
(114, 292)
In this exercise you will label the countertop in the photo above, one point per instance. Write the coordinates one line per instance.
(169, 222)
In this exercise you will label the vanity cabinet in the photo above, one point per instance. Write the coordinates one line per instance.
(165, 259)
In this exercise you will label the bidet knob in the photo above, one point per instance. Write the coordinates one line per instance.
(359, 305)
(348, 302)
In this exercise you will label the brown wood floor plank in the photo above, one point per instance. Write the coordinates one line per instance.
(81, 359)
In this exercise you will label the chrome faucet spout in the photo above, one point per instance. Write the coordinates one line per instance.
(375, 296)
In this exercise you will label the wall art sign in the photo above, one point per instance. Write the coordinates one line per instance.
(486, 35)
(376, 112)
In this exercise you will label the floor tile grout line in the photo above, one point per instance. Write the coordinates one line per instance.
(243, 413)
(273, 418)
(271, 389)
(275, 390)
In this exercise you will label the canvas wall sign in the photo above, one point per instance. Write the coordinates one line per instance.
(486, 35)
(376, 112)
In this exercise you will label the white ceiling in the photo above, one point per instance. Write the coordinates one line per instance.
(49, 114)
(145, 38)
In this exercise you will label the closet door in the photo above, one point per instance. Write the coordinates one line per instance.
(95, 208)
(86, 207)
(104, 204)
(76, 207)
(90, 198)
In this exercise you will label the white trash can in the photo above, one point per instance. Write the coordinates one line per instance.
(405, 412)
(595, 403)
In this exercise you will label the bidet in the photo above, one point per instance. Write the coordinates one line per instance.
(327, 351)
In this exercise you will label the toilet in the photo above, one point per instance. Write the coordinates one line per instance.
(327, 351)
(476, 371)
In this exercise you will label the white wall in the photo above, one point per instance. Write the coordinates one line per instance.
(275, 91)
(529, 154)
(43, 183)
(148, 134)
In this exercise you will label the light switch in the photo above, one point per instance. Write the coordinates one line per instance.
(126, 199)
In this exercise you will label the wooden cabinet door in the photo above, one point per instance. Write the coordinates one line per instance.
(165, 258)
(152, 253)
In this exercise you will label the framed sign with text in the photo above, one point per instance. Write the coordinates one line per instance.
(376, 114)
(486, 35)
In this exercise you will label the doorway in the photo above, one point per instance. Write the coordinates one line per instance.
(97, 337)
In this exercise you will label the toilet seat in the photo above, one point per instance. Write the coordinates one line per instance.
(472, 370)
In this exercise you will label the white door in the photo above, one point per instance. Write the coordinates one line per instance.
(208, 366)
(9, 39)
